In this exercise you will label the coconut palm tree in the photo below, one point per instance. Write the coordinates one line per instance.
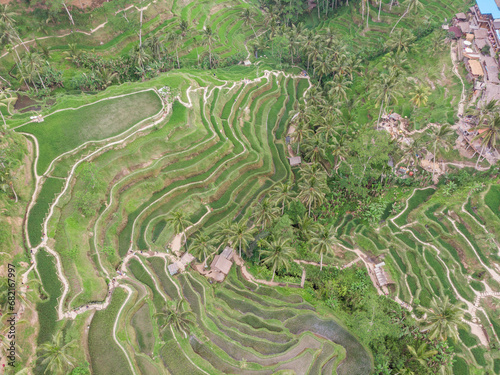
(202, 246)
(300, 132)
(412, 5)
(210, 38)
(385, 91)
(411, 150)
(400, 41)
(283, 194)
(339, 87)
(315, 147)
(248, 18)
(277, 253)
(5, 101)
(179, 223)
(241, 234)
(327, 126)
(441, 137)
(312, 192)
(184, 27)
(56, 356)
(106, 77)
(339, 152)
(488, 133)
(421, 353)
(442, 319)
(6, 16)
(420, 95)
(324, 240)
(175, 42)
(307, 228)
(264, 213)
(174, 316)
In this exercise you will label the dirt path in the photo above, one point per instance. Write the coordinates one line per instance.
(454, 59)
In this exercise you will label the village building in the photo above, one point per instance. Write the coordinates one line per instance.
(221, 265)
(295, 161)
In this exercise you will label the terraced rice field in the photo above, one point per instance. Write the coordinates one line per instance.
(442, 247)
(213, 151)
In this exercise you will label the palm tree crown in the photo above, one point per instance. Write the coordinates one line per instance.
(442, 319)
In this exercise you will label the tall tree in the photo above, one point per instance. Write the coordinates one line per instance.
(175, 42)
(174, 316)
(179, 223)
(442, 319)
(241, 234)
(248, 18)
(441, 138)
(264, 213)
(412, 5)
(385, 91)
(283, 194)
(420, 95)
(210, 38)
(56, 356)
(324, 240)
(312, 192)
(202, 246)
(300, 132)
(277, 253)
(488, 134)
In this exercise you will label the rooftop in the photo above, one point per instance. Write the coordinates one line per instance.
(488, 7)
(476, 68)
(221, 264)
(296, 160)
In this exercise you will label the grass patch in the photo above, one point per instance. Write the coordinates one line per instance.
(105, 355)
(66, 130)
(47, 314)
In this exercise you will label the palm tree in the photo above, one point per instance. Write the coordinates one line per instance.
(441, 137)
(56, 356)
(73, 53)
(327, 128)
(175, 42)
(210, 37)
(385, 91)
(106, 76)
(5, 101)
(411, 6)
(6, 16)
(312, 191)
(315, 147)
(442, 319)
(339, 86)
(283, 194)
(248, 18)
(339, 152)
(300, 132)
(278, 253)
(174, 316)
(184, 26)
(323, 240)
(241, 234)
(264, 213)
(420, 95)
(202, 246)
(179, 223)
(488, 133)
(421, 353)
(411, 150)
(400, 41)
(307, 228)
